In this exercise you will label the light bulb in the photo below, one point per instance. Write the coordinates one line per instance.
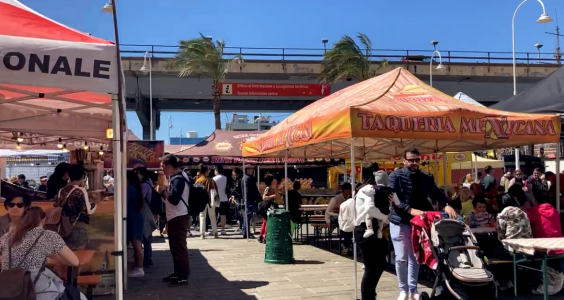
(86, 146)
(101, 152)
(65, 148)
(18, 146)
(60, 144)
(20, 138)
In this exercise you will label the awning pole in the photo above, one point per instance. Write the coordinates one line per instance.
(558, 155)
(344, 172)
(445, 161)
(286, 179)
(246, 224)
(353, 179)
(517, 162)
(118, 199)
(258, 176)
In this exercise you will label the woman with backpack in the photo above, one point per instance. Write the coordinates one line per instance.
(73, 199)
(151, 201)
(26, 248)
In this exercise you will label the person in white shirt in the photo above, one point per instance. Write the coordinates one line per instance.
(221, 182)
(332, 215)
(176, 203)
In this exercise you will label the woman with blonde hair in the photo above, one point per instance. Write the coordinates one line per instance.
(469, 180)
(466, 196)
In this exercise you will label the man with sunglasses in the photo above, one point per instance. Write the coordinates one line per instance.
(413, 189)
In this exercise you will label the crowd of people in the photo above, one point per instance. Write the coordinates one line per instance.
(25, 243)
(514, 205)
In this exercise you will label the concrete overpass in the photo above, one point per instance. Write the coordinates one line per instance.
(488, 79)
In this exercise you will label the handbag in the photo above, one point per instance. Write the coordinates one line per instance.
(16, 282)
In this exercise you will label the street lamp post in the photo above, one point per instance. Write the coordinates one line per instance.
(544, 18)
(439, 67)
(149, 70)
(538, 46)
(324, 41)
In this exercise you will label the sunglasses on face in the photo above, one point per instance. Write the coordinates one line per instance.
(413, 160)
(12, 205)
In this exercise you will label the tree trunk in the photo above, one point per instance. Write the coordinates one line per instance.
(216, 100)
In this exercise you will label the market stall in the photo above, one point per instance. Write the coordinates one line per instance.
(383, 116)
(55, 83)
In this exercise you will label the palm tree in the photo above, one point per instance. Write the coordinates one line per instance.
(203, 57)
(348, 61)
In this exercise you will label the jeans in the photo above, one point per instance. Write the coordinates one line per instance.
(407, 269)
(147, 250)
(251, 209)
(374, 251)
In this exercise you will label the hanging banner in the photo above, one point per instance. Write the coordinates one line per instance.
(275, 89)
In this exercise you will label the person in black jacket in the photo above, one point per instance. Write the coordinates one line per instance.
(413, 189)
(252, 198)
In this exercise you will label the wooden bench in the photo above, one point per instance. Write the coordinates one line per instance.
(90, 282)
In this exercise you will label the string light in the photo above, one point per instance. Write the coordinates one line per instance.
(20, 138)
(86, 146)
(60, 144)
(65, 148)
(101, 152)
(18, 146)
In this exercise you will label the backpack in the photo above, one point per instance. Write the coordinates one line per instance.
(56, 220)
(16, 282)
(156, 203)
(214, 196)
(347, 215)
(198, 198)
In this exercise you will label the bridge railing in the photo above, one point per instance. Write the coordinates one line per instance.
(309, 54)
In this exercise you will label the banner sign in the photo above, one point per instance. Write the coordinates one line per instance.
(275, 89)
(230, 160)
(141, 153)
(10, 190)
(61, 64)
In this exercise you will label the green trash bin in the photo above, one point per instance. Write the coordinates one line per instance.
(279, 246)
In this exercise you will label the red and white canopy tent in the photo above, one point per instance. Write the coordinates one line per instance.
(56, 82)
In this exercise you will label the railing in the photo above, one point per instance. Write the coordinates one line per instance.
(408, 56)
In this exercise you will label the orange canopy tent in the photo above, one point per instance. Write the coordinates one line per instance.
(383, 116)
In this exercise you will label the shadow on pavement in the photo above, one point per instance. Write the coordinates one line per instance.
(308, 262)
(204, 282)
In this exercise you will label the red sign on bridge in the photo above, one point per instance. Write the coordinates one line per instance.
(275, 89)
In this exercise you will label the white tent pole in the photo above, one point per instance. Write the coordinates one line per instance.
(123, 172)
(258, 176)
(445, 161)
(558, 154)
(355, 258)
(286, 179)
(517, 162)
(118, 199)
(345, 172)
(245, 200)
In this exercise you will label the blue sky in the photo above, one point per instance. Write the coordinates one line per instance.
(483, 25)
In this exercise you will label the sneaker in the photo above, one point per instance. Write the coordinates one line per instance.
(414, 295)
(190, 234)
(402, 296)
(223, 232)
(170, 278)
(136, 272)
(210, 233)
(179, 281)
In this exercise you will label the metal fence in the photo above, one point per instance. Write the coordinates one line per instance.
(34, 166)
(292, 54)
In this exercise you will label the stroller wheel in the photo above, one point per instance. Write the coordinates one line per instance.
(424, 296)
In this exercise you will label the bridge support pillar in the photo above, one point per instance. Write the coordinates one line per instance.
(143, 113)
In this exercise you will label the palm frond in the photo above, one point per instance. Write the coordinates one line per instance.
(347, 60)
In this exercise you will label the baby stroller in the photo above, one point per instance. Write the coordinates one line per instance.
(461, 268)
